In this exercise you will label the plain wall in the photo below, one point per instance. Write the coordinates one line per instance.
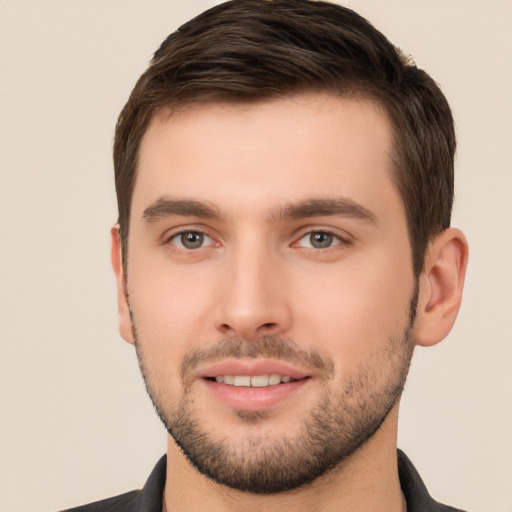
(76, 424)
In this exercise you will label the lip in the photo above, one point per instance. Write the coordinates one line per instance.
(253, 398)
(252, 368)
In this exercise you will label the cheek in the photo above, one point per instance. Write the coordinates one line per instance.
(354, 311)
(170, 307)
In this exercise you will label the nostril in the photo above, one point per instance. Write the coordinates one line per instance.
(250, 330)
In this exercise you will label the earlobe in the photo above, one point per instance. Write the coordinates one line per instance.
(125, 323)
(441, 285)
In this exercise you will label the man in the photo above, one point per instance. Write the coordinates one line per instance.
(285, 180)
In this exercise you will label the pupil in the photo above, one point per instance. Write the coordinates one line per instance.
(321, 240)
(192, 240)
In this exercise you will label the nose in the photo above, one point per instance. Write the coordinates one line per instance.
(253, 299)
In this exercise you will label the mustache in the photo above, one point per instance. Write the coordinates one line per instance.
(272, 347)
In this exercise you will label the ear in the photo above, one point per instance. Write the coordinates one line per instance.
(441, 285)
(125, 322)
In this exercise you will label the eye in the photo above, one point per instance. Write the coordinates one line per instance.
(191, 240)
(319, 240)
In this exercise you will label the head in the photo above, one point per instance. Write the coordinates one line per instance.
(242, 52)
(285, 181)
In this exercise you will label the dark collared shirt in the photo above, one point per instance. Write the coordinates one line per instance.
(149, 499)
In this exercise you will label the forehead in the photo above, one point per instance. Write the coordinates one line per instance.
(249, 156)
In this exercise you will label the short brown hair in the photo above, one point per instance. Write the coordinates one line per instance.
(252, 50)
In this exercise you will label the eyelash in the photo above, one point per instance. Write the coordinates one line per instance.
(334, 239)
(179, 236)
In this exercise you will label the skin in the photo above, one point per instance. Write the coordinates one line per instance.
(257, 274)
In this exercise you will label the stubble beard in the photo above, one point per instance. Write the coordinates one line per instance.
(335, 427)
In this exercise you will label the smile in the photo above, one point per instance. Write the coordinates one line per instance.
(253, 384)
(254, 381)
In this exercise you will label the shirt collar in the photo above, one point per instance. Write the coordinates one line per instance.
(416, 494)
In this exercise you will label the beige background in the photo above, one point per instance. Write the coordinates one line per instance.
(75, 422)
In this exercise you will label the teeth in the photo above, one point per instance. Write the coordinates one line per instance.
(257, 381)
(242, 380)
(274, 379)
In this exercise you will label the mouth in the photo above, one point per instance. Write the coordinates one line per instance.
(253, 385)
(255, 381)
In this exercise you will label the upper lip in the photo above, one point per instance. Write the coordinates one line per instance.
(252, 368)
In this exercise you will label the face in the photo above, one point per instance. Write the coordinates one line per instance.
(270, 286)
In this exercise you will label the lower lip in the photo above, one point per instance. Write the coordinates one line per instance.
(242, 398)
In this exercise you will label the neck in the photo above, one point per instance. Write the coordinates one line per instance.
(367, 480)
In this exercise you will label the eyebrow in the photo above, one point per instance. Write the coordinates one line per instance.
(163, 208)
(326, 207)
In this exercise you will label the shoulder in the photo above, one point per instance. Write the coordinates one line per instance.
(126, 502)
(416, 494)
(149, 499)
